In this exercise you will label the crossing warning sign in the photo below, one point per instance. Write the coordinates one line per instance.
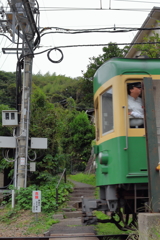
(36, 201)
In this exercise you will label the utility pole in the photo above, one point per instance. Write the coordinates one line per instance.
(20, 21)
(22, 13)
(24, 124)
(25, 107)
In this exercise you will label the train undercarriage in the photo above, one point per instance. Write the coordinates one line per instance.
(121, 202)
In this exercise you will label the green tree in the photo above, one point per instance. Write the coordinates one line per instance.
(150, 46)
(77, 141)
(8, 88)
(94, 63)
(43, 124)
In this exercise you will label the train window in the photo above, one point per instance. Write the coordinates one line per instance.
(135, 105)
(107, 111)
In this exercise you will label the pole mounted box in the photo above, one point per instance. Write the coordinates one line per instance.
(10, 118)
(39, 143)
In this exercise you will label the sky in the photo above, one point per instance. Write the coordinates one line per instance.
(84, 14)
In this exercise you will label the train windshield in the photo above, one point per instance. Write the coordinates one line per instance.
(107, 111)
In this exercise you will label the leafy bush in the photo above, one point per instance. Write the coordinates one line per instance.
(48, 196)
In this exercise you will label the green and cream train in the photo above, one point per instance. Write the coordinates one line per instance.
(120, 150)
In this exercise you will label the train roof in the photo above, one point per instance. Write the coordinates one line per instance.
(131, 66)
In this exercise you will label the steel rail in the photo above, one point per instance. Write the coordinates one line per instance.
(100, 237)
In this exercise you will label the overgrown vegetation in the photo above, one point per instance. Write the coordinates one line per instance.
(106, 228)
(88, 179)
(23, 197)
(26, 220)
(84, 178)
(23, 206)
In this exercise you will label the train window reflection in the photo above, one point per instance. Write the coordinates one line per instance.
(107, 111)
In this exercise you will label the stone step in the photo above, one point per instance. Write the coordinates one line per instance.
(66, 214)
(84, 191)
(79, 198)
(75, 204)
(84, 188)
(76, 214)
(80, 194)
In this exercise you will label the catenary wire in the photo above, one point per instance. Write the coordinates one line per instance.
(136, 1)
(50, 9)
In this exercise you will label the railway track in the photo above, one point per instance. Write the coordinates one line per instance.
(72, 236)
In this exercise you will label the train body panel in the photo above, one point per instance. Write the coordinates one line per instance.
(119, 166)
(123, 66)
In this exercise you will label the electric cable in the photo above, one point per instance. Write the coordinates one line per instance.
(135, 1)
(50, 9)
(7, 157)
(19, 67)
(100, 31)
(4, 187)
(86, 45)
(14, 135)
(54, 61)
(32, 23)
(18, 42)
(37, 4)
(35, 157)
(103, 29)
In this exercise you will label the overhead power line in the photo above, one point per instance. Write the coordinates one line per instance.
(136, 1)
(93, 9)
(97, 30)
(85, 45)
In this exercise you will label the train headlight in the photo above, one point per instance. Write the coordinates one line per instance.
(103, 158)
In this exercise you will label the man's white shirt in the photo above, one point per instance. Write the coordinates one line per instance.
(135, 107)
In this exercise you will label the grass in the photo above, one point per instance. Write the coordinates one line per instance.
(37, 227)
(84, 178)
(25, 221)
(107, 228)
(88, 179)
